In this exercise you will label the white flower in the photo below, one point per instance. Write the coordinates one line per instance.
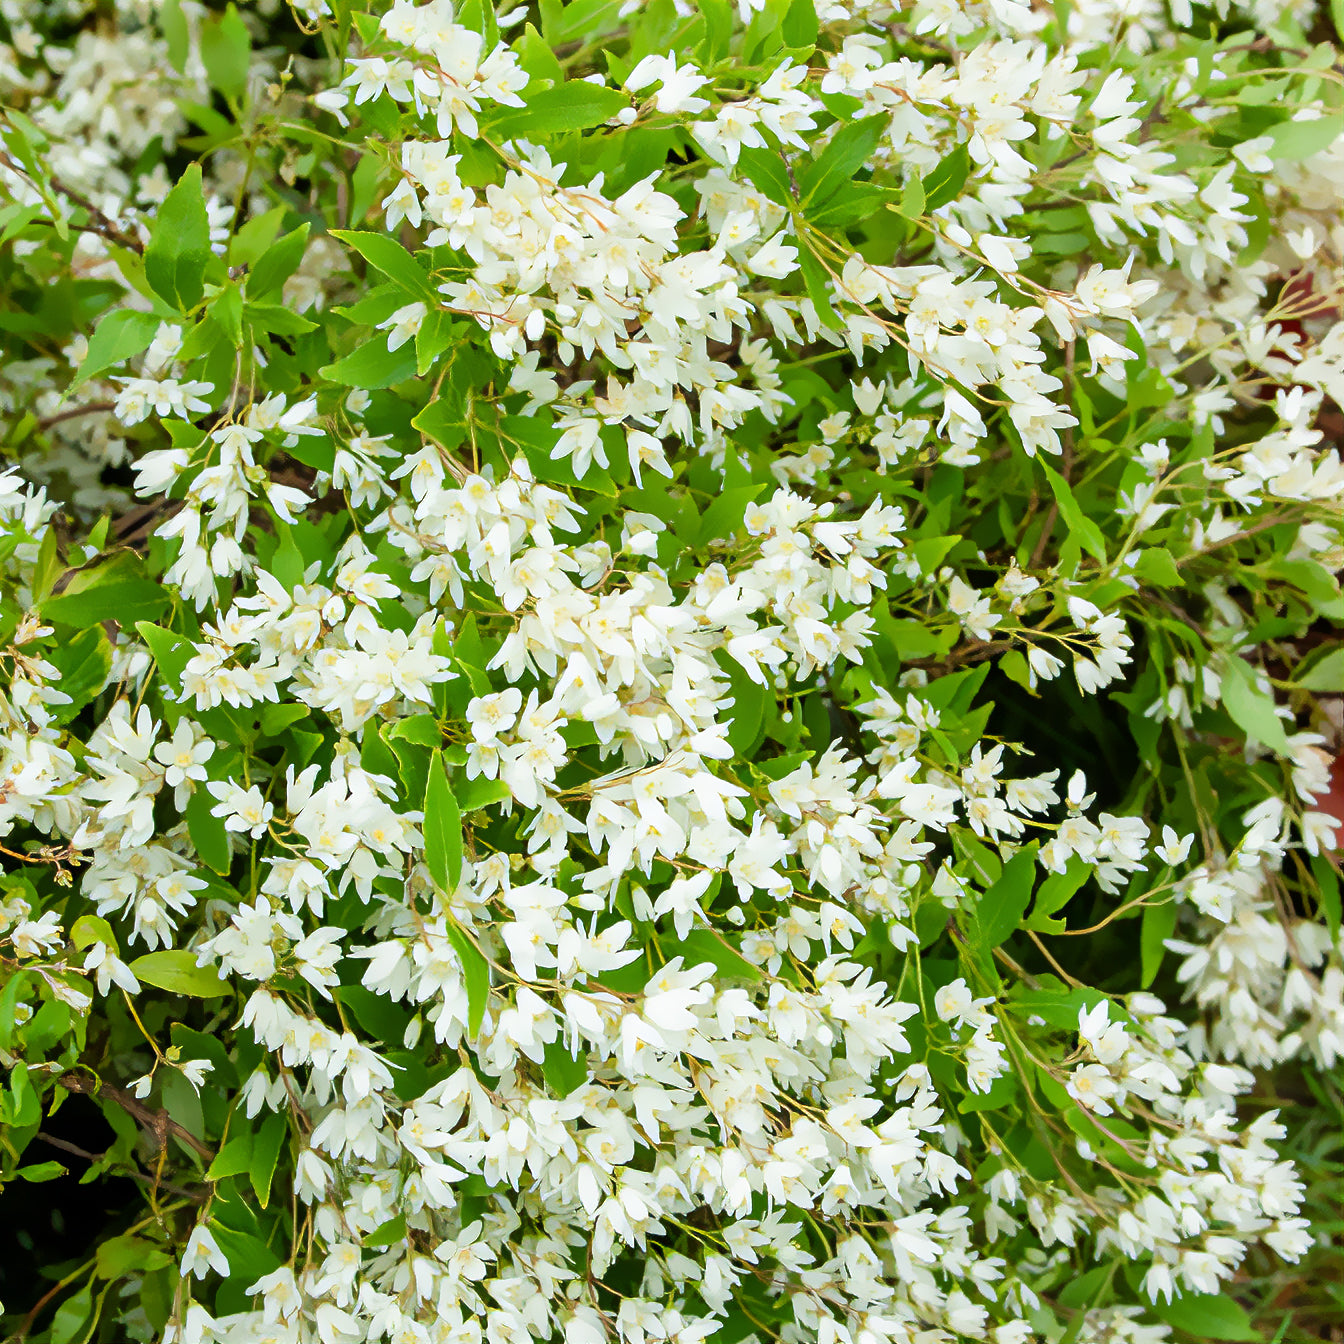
(203, 1254)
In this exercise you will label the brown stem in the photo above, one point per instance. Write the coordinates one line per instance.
(99, 223)
(196, 1196)
(93, 408)
(159, 1123)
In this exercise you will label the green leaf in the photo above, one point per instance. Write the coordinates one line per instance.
(1055, 893)
(703, 945)
(718, 16)
(373, 365)
(421, 728)
(1301, 139)
(1001, 908)
(171, 652)
(192, 1044)
(117, 590)
(849, 149)
(233, 1159)
(71, 1315)
(90, 929)
(275, 318)
(1156, 566)
(394, 261)
(227, 309)
(173, 25)
(766, 170)
(249, 1257)
(1157, 925)
(265, 1153)
(443, 828)
(817, 280)
(1075, 520)
(434, 336)
(481, 792)
(25, 1104)
(84, 663)
(573, 106)
(913, 201)
(40, 1172)
(179, 247)
(563, 1073)
(128, 1254)
(1327, 892)
(800, 26)
(1325, 674)
(176, 971)
(852, 202)
(254, 237)
(277, 264)
(944, 183)
(208, 833)
(476, 972)
(390, 1233)
(1252, 709)
(724, 517)
(750, 702)
(226, 51)
(121, 335)
(9, 999)
(1207, 1316)
(384, 1020)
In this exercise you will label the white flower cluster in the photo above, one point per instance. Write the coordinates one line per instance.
(558, 729)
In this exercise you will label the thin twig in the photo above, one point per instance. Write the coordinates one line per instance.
(159, 1123)
(92, 408)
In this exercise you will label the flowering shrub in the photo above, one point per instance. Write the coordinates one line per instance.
(666, 667)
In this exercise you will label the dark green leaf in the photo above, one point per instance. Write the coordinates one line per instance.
(1208, 1316)
(443, 828)
(704, 945)
(572, 106)
(208, 834)
(394, 261)
(84, 663)
(849, 149)
(1001, 908)
(563, 1073)
(476, 972)
(265, 1153)
(179, 247)
(373, 365)
(277, 264)
(944, 183)
(817, 280)
(1327, 891)
(1157, 925)
(171, 652)
(1078, 523)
